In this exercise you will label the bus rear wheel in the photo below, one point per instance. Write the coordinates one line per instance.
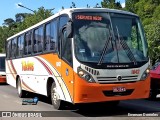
(55, 98)
(21, 93)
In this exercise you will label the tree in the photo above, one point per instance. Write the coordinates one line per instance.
(21, 16)
(11, 26)
(111, 4)
(73, 5)
(153, 37)
(10, 23)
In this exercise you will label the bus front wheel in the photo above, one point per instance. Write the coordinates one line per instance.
(55, 98)
(21, 93)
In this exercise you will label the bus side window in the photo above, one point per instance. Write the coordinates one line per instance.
(29, 47)
(22, 45)
(53, 35)
(63, 21)
(47, 37)
(14, 46)
(18, 46)
(9, 49)
(26, 43)
(40, 39)
(35, 47)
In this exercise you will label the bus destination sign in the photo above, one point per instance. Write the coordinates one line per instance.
(88, 17)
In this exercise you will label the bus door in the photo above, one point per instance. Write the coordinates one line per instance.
(66, 62)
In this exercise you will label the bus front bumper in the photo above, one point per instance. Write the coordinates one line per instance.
(94, 92)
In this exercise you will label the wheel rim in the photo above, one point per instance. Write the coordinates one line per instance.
(19, 88)
(55, 96)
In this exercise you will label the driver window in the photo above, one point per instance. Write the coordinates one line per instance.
(66, 48)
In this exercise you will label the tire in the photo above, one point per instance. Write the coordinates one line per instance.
(21, 93)
(55, 98)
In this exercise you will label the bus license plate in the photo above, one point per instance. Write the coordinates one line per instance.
(119, 89)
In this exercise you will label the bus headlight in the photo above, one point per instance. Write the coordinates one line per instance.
(86, 76)
(145, 74)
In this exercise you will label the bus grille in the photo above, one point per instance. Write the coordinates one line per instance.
(114, 79)
(92, 71)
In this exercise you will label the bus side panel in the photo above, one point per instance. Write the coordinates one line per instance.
(35, 71)
(10, 73)
(59, 69)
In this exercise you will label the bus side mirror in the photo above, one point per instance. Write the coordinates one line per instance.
(69, 29)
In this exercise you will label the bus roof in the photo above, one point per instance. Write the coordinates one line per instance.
(67, 11)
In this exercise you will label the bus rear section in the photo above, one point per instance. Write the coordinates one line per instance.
(2, 68)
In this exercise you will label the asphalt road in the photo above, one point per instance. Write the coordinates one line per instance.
(9, 101)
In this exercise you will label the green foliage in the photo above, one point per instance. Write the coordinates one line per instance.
(73, 5)
(111, 4)
(23, 21)
(153, 37)
(148, 10)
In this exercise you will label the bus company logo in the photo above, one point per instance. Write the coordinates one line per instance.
(119, 78)
(27, 66)
(135, 71)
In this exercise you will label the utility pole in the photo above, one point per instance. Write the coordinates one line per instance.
(26, 8)
(34, 10)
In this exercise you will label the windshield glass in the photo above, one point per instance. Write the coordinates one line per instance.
(2, 64)
(99, 40)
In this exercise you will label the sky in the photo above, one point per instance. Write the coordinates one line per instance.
(9, 8)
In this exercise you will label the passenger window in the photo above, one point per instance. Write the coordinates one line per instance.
(47, 37)
(22, 45)
(35, 42)
(63, 21)
(53, 35)
(9, 49)
(14, 45)
(40, 40)
(18, 46)
(27, 41)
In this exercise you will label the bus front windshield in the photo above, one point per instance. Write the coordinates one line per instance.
(108, 38)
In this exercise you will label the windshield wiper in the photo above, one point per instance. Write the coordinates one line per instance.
(126, 48)
(105, 48)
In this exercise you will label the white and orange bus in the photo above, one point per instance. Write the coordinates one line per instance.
(81, 56)
(2, 68)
